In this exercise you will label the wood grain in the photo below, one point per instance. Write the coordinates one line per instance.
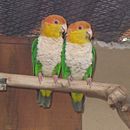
(116, 95)
(18, 107)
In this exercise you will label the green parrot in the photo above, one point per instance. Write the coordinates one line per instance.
(80, 57)
(47, 52)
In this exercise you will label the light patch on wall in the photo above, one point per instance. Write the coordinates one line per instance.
(122, 43)
(113, 45)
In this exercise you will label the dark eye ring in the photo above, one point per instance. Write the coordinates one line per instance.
(80, 27)
(56, 21)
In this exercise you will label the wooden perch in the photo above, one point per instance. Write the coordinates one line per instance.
(114, 94)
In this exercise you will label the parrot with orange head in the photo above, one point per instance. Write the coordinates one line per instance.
(46, 54)
(80, 58)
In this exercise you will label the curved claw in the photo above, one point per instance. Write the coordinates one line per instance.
(89, 82)
(70, 79)
(55, 78)
(40, 77)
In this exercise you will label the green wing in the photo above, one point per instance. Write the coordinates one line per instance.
(62, 68)
(93, 59)
(65, 70)
(43, 96)
(91, 68)
(78, 98)
(37, 66)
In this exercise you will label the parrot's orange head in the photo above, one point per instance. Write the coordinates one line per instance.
(79, 32)
(53, 26)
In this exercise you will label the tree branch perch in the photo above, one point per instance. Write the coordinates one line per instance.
(114, 94)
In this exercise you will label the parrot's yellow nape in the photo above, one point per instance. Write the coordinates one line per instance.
(51, 30)
(79, 37)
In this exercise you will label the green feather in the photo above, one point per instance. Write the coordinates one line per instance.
(37, 66)
(65, 70)
(61, 68)
(78, 98)
(57, 70)
(44, 96)
(90, 70)
(93, 60)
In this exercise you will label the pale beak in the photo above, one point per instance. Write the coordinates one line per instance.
(64, 30)
(90, 32)
(88, 35)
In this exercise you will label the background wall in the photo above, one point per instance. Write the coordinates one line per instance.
(113, 66)
(19, 109)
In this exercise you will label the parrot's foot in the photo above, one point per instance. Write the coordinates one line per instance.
(44, 101)
(55, 78)
(40, 77)
(70, 79)
(78, 106)
(89, 82)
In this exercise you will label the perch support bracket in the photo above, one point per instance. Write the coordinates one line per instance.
(3, 84)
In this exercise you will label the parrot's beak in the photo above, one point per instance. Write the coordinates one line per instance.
(88, 36)
(64, 30)
(90, 32)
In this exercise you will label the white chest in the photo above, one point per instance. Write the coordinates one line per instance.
(49, 53)
(78, 58)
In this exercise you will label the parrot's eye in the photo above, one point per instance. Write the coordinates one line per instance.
(56, 22)
(80, 27)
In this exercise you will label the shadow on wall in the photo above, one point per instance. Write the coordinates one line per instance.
(112, 66)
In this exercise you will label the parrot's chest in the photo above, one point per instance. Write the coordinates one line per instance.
(78, 58)
(49, 53)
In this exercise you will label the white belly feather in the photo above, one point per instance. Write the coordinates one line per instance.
(49, 53)
(78, 58)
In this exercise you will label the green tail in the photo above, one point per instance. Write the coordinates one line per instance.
(78, 101)
(44, 98)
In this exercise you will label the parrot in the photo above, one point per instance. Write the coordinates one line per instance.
(80, 58)
(46, 54)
